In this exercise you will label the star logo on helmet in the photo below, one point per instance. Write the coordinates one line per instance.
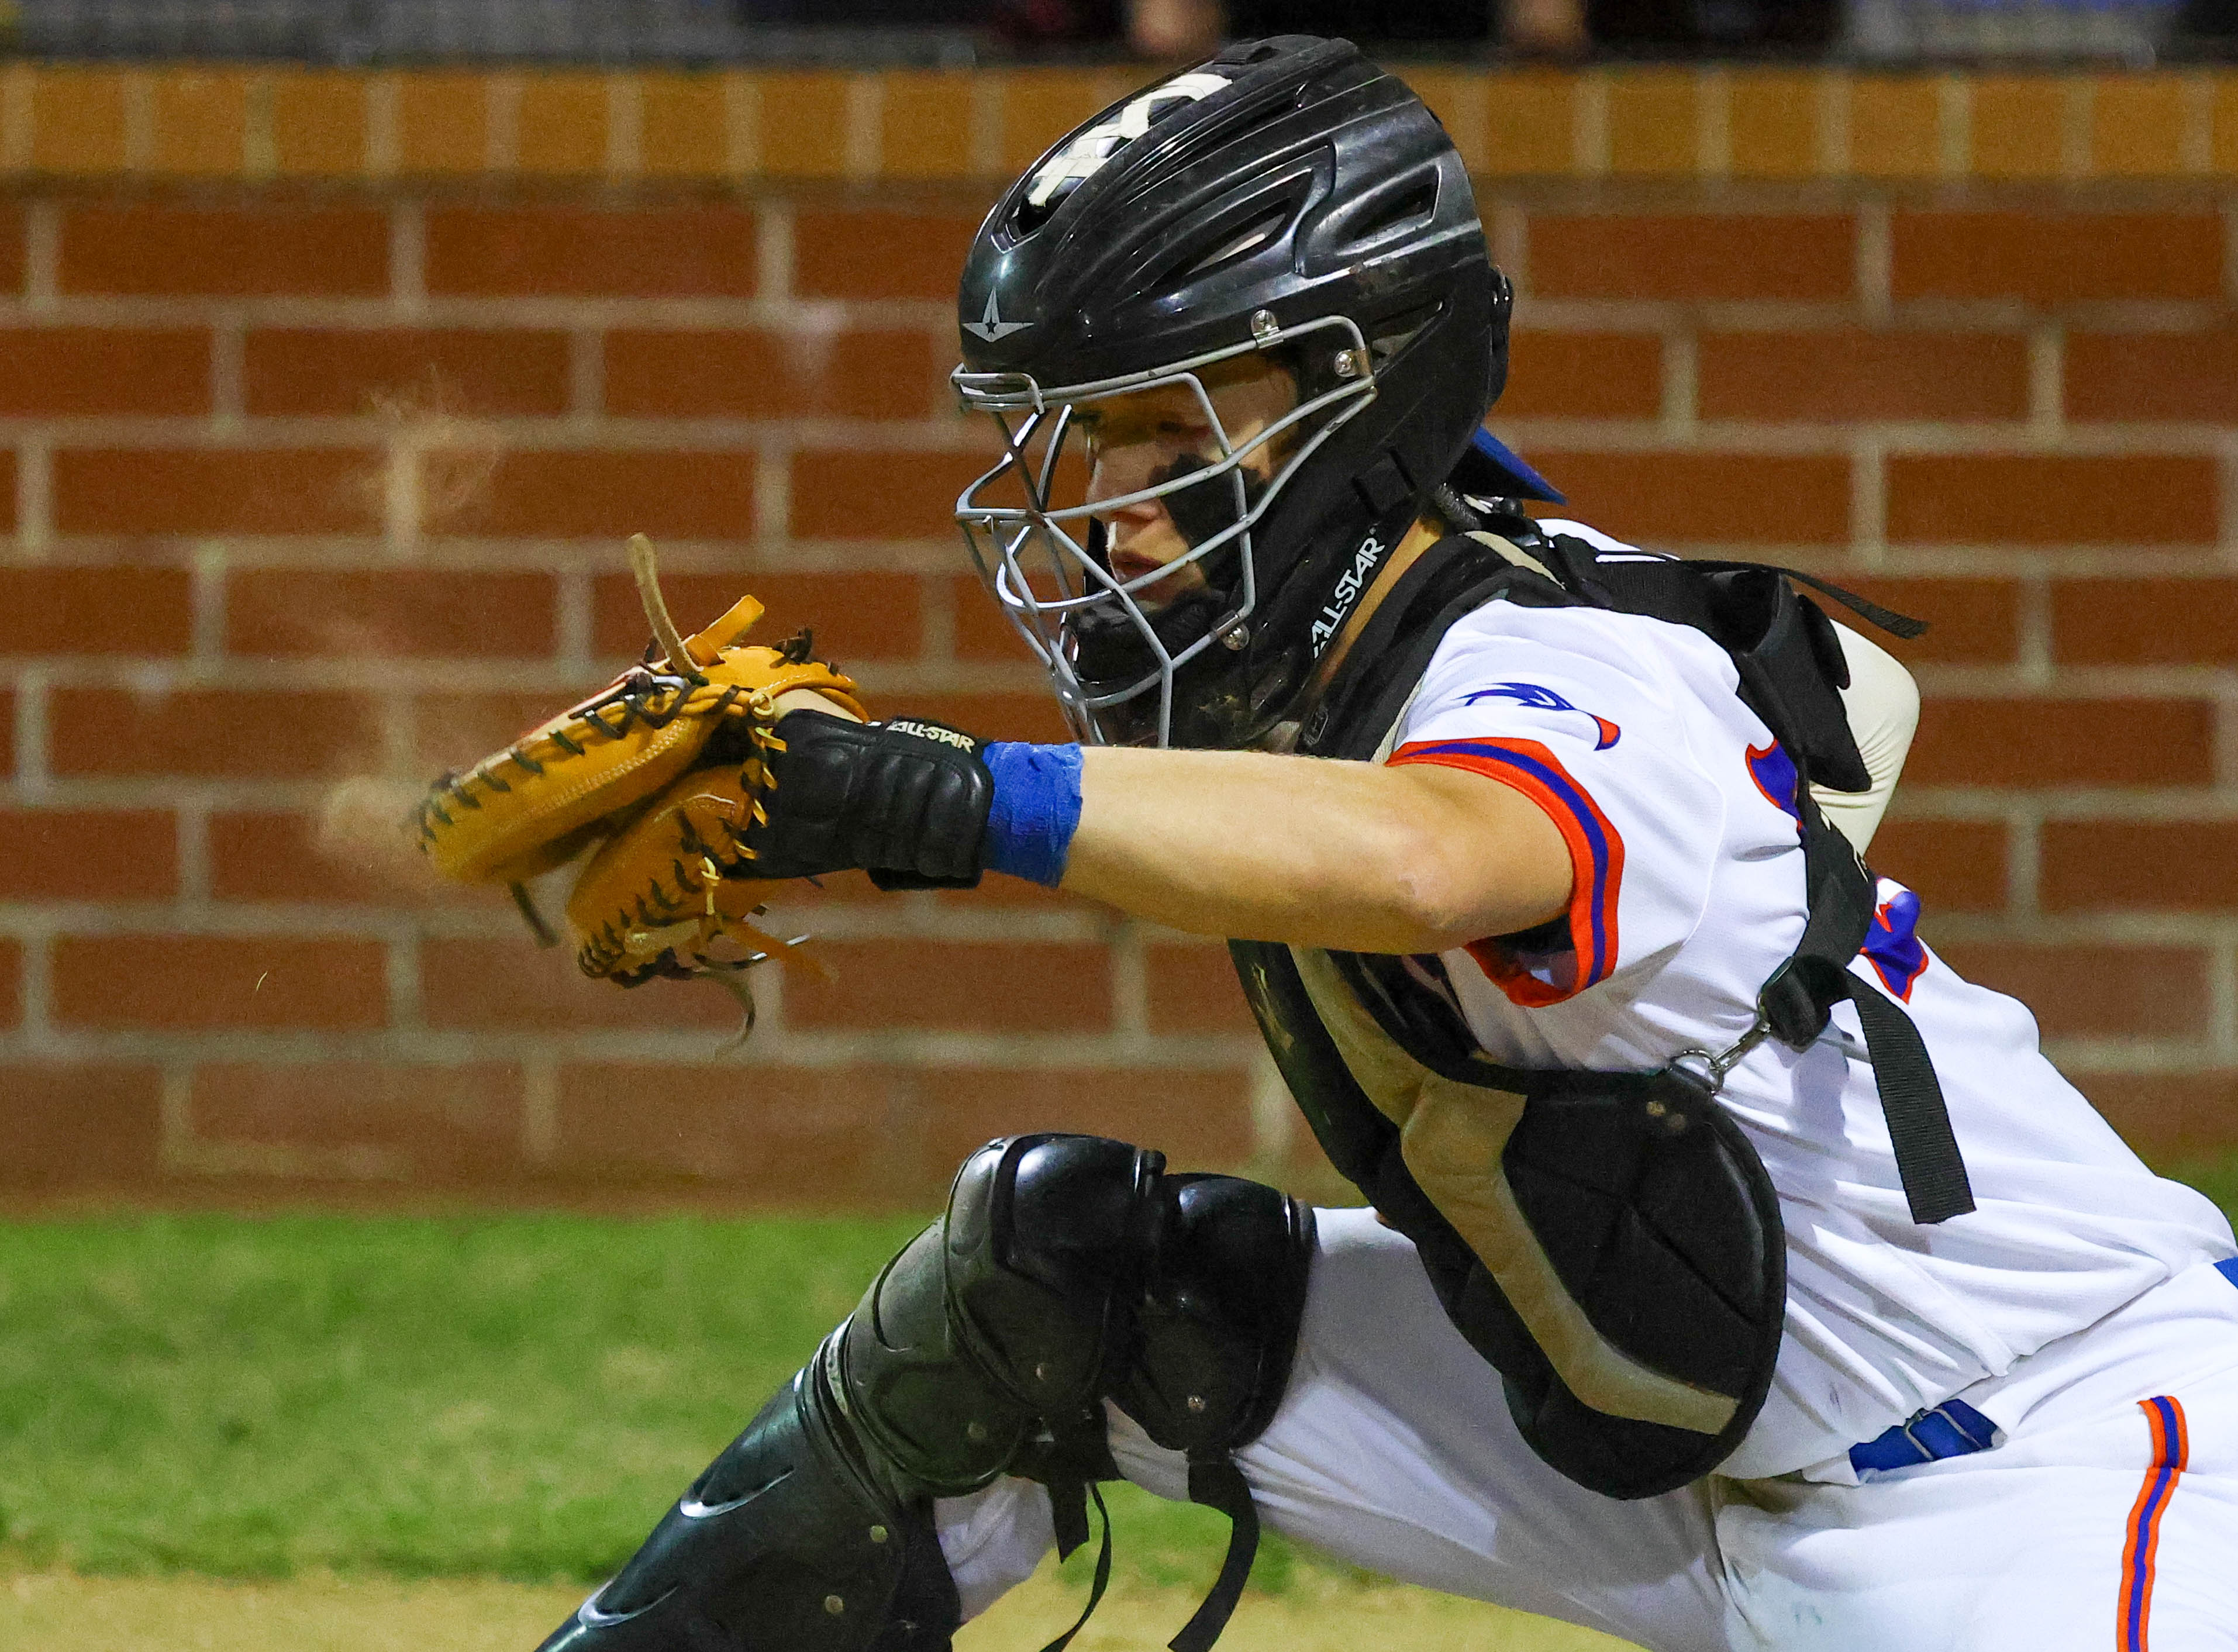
(990, 326)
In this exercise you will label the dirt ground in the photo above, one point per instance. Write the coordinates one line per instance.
(49, 1613)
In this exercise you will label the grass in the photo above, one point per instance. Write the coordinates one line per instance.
(510, 1397)
(502, 1397)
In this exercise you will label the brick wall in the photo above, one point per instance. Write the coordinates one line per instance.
(315, 485)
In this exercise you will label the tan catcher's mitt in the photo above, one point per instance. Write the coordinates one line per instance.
(658, 776)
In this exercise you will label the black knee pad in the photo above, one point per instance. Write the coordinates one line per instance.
(1006, 1317)
(1218, 1323)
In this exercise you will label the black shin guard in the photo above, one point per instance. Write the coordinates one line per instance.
(1067, 1269)
(789, 1542)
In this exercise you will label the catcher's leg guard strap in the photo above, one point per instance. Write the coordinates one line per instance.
(789, 1542)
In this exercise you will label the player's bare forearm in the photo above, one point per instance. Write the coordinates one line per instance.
(1313, 852)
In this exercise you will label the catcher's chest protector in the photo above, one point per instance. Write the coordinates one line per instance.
(1609, 1241)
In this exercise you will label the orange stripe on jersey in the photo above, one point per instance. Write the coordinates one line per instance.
(2141, 1548)
(1596, 858)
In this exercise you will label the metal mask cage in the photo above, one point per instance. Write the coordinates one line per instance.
(1044, 576)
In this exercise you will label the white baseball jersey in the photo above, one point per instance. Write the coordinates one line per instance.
(2087, 1307)
(1678, 809)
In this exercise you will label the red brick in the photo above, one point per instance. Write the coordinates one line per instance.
(983, 631)
(418, 613)
(2035, 744)
(994, 987)
(1953, 865)
(1692, 257)
(183, 492)
(60, 371)
(232, 734)
(2169, 1115)
(1847, 375)
(2095, 991)
(512, 985)
(362, 1121)
(854, 616)
(1192, 989)
(856, 495)
(1970, 622)
(889, 374)
(2184, 376)
(68, 1127)
(265, 855)
(1202, 1121)
(1705, 498)
(608, 494)
(87, 855)
(2031, 499)
(2140, 866)
(349, 371)
(864, 253)
(805, 1138)
(214, 983)
(2057, 257)
(224, 251)
(628, 252)
(2144, 621)
(1584, 375)
(130, 609)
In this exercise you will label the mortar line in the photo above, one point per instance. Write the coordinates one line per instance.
(539, 1110)
(197, 886)
(1875, 259)
(35, 490)
(175, 1110)
(207, 613)
(624, 126)
(15, 117)
(408, 258)
(42, 239)
(2024, 861)
(742, 119)
(32, 774)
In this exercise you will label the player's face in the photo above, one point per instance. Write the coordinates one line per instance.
(1136, 441)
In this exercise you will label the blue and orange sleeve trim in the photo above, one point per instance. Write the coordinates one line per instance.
(1596, 857)
(2141, 1548)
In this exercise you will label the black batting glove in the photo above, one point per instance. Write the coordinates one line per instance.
(905, 800)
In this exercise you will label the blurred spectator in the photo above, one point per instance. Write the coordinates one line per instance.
(2212, 23)
(1545, 27)
(1180, 28)
(1174, 29)
(1712, 25)
(1440, 20)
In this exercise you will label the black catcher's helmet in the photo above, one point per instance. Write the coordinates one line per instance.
(1286, 199)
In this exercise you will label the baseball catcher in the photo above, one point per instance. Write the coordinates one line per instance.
(1737, 1274)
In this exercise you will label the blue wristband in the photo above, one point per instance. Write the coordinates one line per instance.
(1035, 810)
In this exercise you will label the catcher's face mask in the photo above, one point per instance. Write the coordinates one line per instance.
(1117, 531)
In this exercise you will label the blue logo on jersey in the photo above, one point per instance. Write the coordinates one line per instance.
(1773, 770)
(1545, 699)
(1892, 945)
